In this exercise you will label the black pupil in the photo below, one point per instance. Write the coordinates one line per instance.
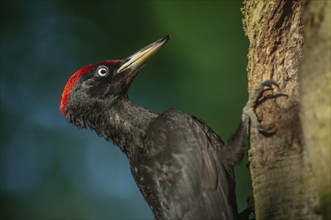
(103, 71)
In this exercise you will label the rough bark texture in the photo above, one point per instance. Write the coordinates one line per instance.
(284, 186)
(315, 74)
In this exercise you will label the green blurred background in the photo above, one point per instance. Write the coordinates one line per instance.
(52, 170)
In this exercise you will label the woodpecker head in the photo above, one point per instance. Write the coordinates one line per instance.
(98, 85)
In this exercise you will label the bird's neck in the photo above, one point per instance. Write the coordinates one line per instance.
(125, 124)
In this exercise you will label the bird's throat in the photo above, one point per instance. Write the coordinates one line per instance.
(125, 124)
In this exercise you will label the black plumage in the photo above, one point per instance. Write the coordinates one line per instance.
(181, 166)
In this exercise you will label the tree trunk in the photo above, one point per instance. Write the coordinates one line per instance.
(315, 78)
(283, 175)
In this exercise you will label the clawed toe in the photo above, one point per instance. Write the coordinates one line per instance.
(261, 88)
(269, 83)
(267, 130)
(249, 109)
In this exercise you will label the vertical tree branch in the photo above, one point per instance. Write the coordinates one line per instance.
(315, 78)
(283, 183)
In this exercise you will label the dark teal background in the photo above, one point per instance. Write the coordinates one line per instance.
(53, 170)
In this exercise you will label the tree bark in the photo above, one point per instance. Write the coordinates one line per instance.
(283, 175)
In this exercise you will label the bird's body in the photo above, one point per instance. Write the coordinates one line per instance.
(181, 166)
(181, 173)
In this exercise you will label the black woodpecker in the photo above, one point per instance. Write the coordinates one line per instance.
(182, 167)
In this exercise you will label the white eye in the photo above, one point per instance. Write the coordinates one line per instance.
(103, 71)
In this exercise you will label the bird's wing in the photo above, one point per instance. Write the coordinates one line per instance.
(189, 181)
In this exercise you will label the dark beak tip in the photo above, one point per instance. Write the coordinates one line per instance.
(165, 38)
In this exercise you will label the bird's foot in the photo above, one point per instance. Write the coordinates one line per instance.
(256, 98)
